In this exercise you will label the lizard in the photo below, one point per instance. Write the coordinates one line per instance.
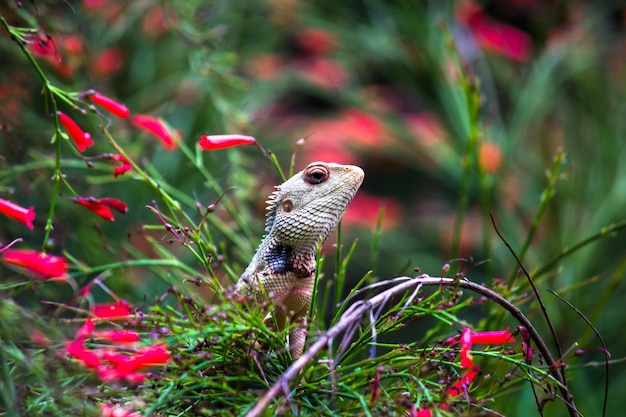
(302, 212)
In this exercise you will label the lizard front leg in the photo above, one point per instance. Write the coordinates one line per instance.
(294, 310)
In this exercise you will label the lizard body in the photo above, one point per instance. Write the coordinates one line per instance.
(302, 212)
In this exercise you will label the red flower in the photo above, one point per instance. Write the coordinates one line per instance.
(464, 382)
(107, 62)
(77, 350)
(488, 338)
(316, 41)
(492, 338)
(323, 72)
(423, 412)
(102, 206)
(86, 330)
(214, 142)
(108, 410)
(19, 213)
(122, 169)
(118, 336)
(40, 264)
(110, 105)
(42, 45)
(112, 311)
(365, 209)
(158, 127)
(81, 139)
(152, 355)
(495, 36)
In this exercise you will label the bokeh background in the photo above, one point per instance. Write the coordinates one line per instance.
(455, 109)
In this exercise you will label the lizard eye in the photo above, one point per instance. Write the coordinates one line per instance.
(316, 174)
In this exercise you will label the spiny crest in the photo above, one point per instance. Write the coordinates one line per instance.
(272, 206)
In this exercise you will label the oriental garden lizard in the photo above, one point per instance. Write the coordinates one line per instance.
(302, 212)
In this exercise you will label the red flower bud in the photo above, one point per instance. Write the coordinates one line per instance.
(158, 127)
(81, 139)
(110, 105)
(21, 214)
(213, 142)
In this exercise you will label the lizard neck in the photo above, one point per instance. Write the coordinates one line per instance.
(278, 258)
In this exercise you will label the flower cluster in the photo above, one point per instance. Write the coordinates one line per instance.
(117, 355)
(467, 340)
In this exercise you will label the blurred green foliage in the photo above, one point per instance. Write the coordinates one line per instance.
(455, 110)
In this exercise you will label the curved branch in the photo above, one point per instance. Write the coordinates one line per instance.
(358, 310)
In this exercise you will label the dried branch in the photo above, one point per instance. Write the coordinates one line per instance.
(361, 309)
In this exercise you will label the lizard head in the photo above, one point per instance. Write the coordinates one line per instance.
(306, 208)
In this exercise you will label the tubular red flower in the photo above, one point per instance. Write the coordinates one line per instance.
(110, 105)
(77, 350)
(40, 264)
(109, 410)
(158, 127)
(464, 382)
(111, 311)
(19, 213)
(152, 355)
(86, 330)
(214, 142)
(492, 338)
(118, 336)
(42, 46)
(81, 139)
(102, 206)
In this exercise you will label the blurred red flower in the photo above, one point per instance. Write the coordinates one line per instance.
(122, 169)
(215, 142)
(157, 127)
(265, 66)
(107, 62)
(493, 35)
(118, 336)
(102, 206)
(113, 311)
(365, 209)
(109, 410)
(19, 213)
(42, 45)
(324, 72)
(157, 20)
(81, 139)
(316, 41)
(40, 264)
